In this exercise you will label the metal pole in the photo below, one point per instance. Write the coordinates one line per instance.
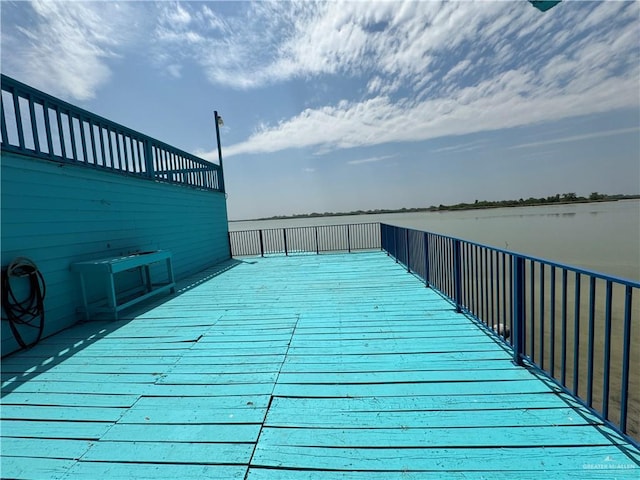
(457, 275)
(217, 120)
(517, 302)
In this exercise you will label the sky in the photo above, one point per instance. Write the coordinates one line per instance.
(342, 106)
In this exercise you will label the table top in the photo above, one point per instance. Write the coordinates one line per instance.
(116, 264)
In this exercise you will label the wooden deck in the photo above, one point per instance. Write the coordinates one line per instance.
(303, 367)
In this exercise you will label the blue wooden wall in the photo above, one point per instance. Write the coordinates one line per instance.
(56, 214)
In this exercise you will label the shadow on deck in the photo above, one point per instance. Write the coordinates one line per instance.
(303, 367)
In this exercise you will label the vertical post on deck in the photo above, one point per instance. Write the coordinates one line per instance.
(457, 275)
(348, 240)
(217, 119)
(395, 243)
(406, 240)
(148, 158)
(284, 236)
(317, 244)
(626, 351)
(261, 244)
(426, 260)
(518, 309)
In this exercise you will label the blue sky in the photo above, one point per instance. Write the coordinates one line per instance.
(338, 106)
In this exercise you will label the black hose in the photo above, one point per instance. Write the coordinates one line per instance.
(30, 311)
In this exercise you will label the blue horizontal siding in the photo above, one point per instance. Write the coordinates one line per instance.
(57, 214)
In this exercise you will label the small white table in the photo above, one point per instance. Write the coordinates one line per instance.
(108, 267)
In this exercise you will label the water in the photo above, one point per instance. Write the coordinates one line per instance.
(601, 236)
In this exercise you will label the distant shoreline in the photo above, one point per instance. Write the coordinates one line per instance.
(564, 199)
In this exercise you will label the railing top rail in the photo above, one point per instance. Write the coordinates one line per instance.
(552, 263)
(301, 227)
(12, 85)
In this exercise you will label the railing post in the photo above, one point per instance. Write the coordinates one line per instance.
(626, 359)
(348, 240)
(518, 309)
(317, 244)
(284, 236)
(426, 260)
(261, 244)
(406, 239)
(457, 275)
(395, 243)
(148, 158)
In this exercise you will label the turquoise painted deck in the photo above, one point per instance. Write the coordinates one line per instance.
(304, 367)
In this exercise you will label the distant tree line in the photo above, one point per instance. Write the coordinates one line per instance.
(558, 198)
(570, 197)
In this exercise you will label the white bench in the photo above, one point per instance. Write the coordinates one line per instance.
(108, 267)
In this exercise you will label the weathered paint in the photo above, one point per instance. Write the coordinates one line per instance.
(57, 214)
(306, 367)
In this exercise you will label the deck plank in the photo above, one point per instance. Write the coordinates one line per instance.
(307, 367)
(489, 459)
(84, 470)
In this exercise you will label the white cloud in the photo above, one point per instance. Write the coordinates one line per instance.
(509, 100)
(66, 47)
(577, 138)
(370, 159)
(559, 69)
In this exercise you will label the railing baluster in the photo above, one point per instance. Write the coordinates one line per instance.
(518, 310)
(47, 128)
(426, 259)
(110, 141)
(532, 310)
(16, 109)
(83, 142)
(3, 122)
(261, 245)
(541, 293)
(284, 237)
(592, 309)
(563, 373)
(607, 349)
(457, 275)
(552, 322)
(406, 239)
(492, 319)
(34, 126)
(477, 304)
(148, 158)
(63, 149)
(576, 336)
(72, 137)
(626, 353)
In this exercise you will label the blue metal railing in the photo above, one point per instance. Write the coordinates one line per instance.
(42, 126)
(324, 238)
(574, 325)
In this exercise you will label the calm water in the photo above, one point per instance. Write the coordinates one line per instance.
(602, 236)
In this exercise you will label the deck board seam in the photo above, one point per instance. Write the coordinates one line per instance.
(271, 396)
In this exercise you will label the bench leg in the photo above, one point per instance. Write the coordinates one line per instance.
(147, 278)
(111, 296)
(83, 291)
(170, 272)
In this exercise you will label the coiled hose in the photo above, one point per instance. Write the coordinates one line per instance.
(30, 311)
